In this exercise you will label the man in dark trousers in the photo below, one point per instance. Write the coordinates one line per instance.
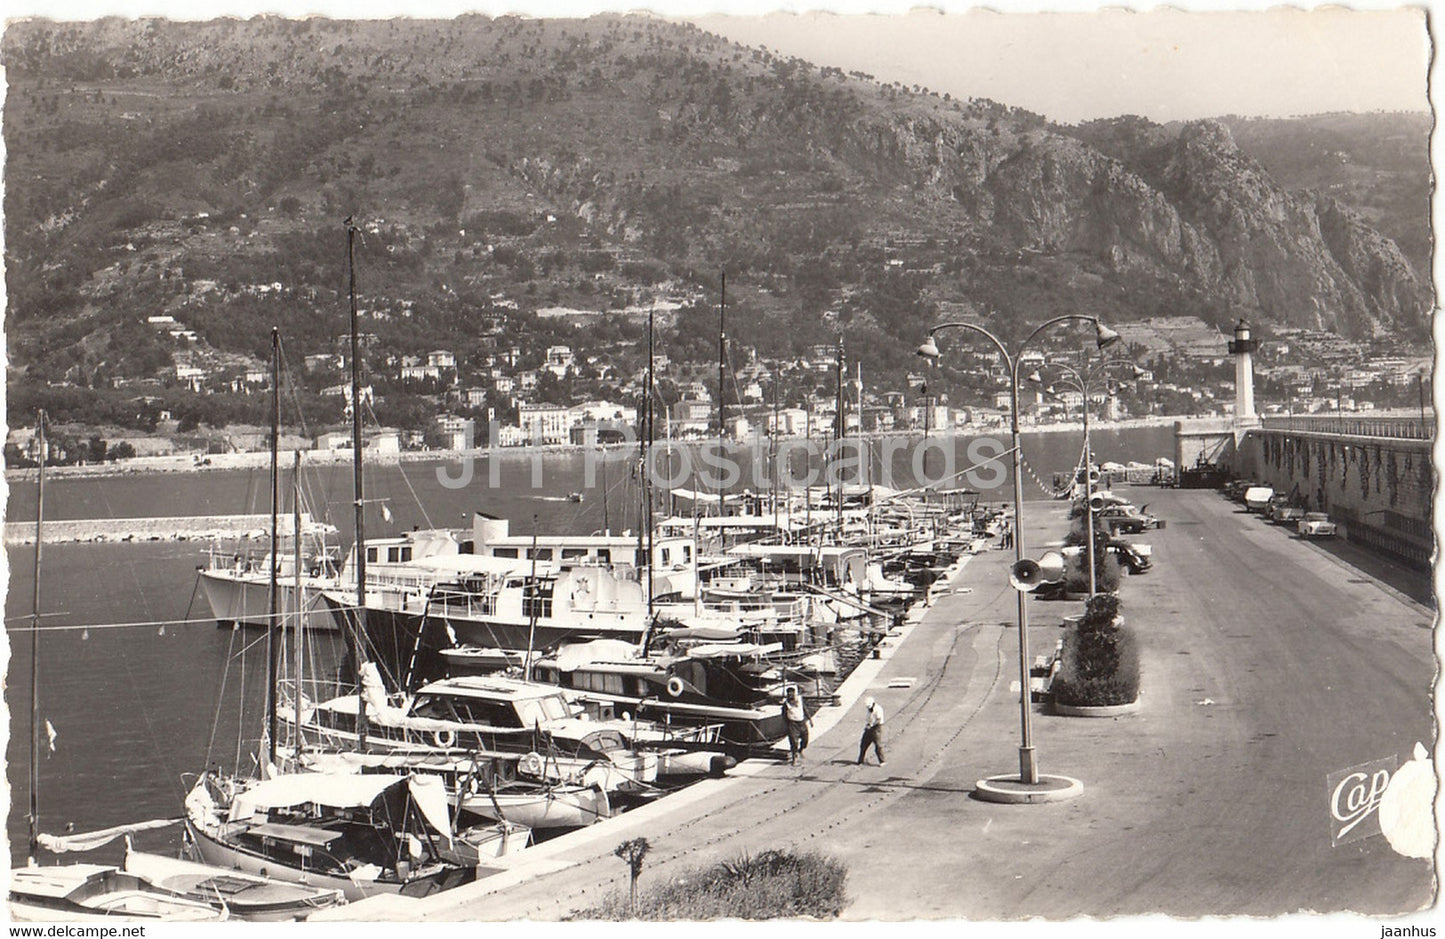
(795, 714)
(872, 732)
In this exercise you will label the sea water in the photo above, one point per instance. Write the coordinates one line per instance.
(140, 688)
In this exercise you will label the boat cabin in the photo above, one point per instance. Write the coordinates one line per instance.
(829, 566)
(492, 537)
(490, 701)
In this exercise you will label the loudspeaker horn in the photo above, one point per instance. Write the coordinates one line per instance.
(1051, 567)
(1025, 575)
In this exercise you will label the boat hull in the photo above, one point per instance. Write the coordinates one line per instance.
(92, 893)
(218, 853)
(254, 900)
(22, 910)
(241, 598)
(544, 810)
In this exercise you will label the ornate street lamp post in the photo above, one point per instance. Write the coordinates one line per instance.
(1104, 336)
(1085, 382)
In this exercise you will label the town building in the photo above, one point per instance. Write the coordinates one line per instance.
(545, 423)
(456, 433)
(560, 360)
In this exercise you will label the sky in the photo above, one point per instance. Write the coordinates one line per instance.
(1167, 64)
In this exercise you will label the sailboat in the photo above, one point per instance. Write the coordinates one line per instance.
(78, 892)
(359, 834)
(242, 896)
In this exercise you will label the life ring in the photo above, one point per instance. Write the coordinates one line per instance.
(675, 687)
(444, 739)
(530, 764)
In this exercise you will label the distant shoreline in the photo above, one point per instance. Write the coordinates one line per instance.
(196, 462)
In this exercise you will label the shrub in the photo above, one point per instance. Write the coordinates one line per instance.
(1106, 574)
(769, 885)
(1100, 659)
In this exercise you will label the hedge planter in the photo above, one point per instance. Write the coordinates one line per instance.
(1104, 710)
(1100, 662)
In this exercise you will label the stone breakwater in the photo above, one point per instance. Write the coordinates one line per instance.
(195, 462)
(177, 528)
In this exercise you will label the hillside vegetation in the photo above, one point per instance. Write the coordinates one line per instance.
(499, 166)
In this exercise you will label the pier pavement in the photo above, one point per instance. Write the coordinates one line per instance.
(1268, 663)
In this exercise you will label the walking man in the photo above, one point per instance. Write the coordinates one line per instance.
(872, 732)
(795, 713)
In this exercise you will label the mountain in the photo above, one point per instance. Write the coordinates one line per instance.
(1370, 162)
(202, 170)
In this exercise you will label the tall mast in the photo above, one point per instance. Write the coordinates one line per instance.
(297, 631)
(35, 648)
(606, 521)
(643, 568)
(273, 639)
(808, 473)
(865, 452)
(721, 379)
(667, 431)
(840, 428)
(773, 453)
(536, 590)
(722, 358)
(646, 455)
(867, 469)
(360, 550)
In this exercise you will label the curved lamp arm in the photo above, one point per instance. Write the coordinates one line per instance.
(1103, 335)
(929, 349)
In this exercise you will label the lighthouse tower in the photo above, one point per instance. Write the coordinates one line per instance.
(1242, 348)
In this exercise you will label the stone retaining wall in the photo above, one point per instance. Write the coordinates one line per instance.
(1379, 490)
(182, 528)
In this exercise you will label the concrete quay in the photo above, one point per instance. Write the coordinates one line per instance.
(1268, 663)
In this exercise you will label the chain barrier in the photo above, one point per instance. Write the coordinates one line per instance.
(1049, 489)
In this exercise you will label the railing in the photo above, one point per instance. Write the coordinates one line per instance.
(468, 605)
(1409, 539)
(1399, 428)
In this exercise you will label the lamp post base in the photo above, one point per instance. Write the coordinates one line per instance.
(1013, 790)
(1028, 766)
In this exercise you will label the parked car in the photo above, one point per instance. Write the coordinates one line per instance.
(1109, 498)
(1256, 498)
(1316, 525)
(1236, 488)
(1124, 518)
(1134, 558)
(1287, 513)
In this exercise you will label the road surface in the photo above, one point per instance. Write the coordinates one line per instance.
(1268, 663)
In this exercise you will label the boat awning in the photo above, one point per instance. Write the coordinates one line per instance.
(429, 795)
(711, 633)
(334, 790)
(694, 496)
(741, 649)
(404, 762)
(574, 655)
(295, 834)
(774, 551)
(478, 564)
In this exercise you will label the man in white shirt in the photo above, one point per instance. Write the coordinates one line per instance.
(795, 713)
(872, 732)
